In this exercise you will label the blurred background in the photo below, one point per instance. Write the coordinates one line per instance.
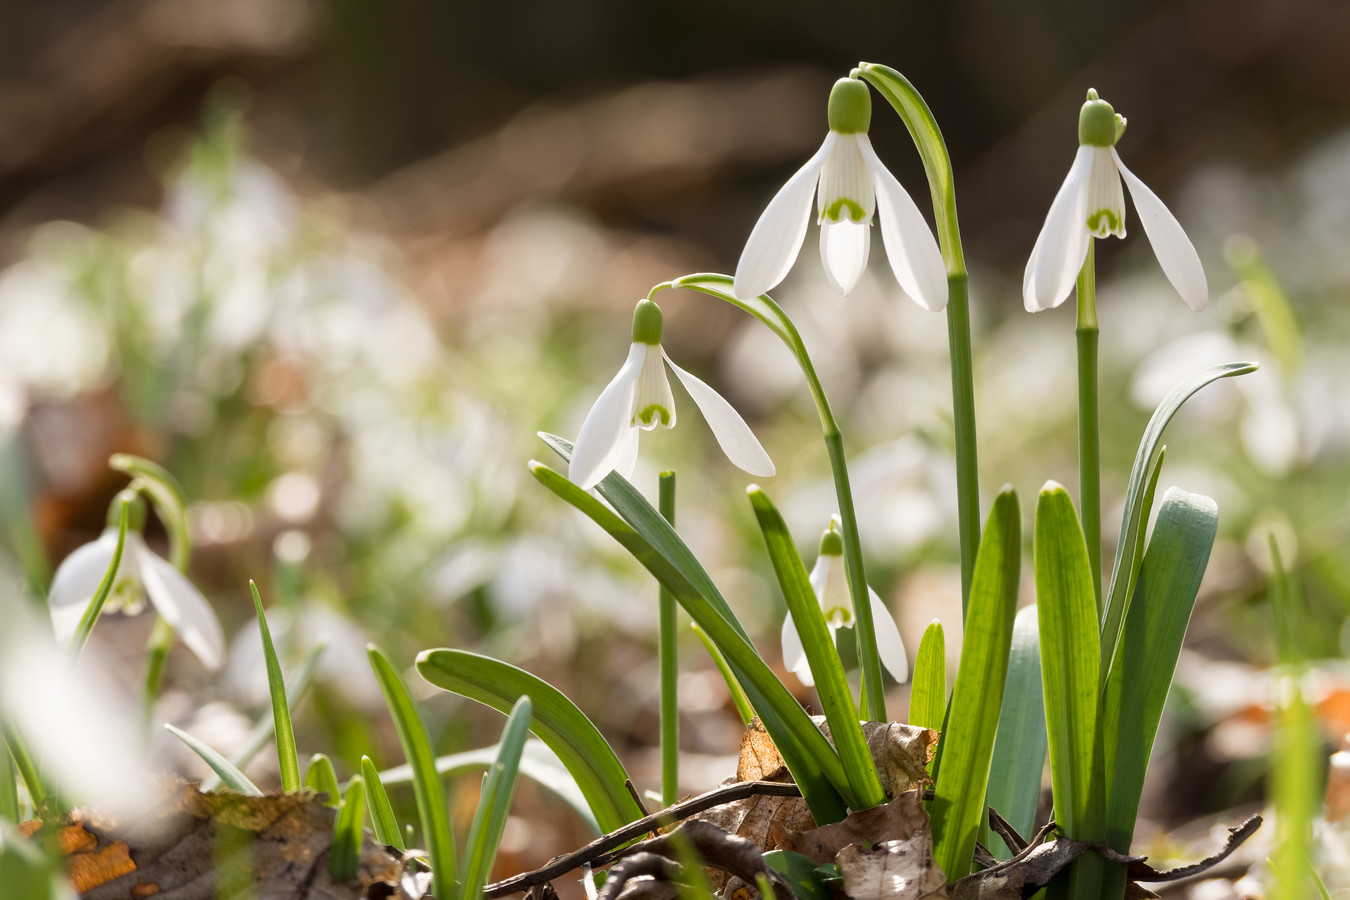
(334, 263)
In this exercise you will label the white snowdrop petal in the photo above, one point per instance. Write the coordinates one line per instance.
(890, 646)
(794, 654)
(1176, 254)
(777, 237)
(843, 250)
(598, 449)
(626, 452)
(184, 608)
(1062, 244)
(911, 248)
(76, 581)
(733, 435)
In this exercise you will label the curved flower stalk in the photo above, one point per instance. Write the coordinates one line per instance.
(830, 582)
(1091, 203)
(850, 184)
(141, 575)
(639, 397)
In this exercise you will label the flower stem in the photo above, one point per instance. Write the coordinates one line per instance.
(1089, 438)
(873, 700)
(670, 707)
(937, 164)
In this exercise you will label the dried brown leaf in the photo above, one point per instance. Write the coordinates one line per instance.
(894, 870)
(898, 820)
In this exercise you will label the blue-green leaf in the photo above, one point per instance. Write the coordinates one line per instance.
(234, 779)
(1019, 749)
(489, 821)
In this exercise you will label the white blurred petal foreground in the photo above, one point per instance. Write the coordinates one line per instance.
(1091, 204)
(829, 579)
(850, 183)
(639, 397)
(141, 574)
(84, 735)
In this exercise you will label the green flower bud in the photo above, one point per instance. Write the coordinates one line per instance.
(831, 543)
(135, 511)
(850, 110)
(1098, 124)
(647, 323)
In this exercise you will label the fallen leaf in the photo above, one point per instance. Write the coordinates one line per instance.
(898, 820)
(175, 850)
(893, 870)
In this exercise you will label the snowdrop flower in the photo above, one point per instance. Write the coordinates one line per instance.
(830, 582)
(850, 184)
(141, 575)
(640, 397)
(1091, 204)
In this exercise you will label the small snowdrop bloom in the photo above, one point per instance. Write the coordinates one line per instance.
(141, 575)
(1091, 204)
(830, 581)
(639, 397)
(850, 184)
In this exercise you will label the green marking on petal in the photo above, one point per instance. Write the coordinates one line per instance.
(1103, 222)
(648, 416)
(1097, 123)
(839, 616)
(834, 212)
(831, 543)
(850, 108)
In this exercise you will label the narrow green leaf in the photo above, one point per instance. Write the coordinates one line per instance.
(382, 818)
(9, 787)
(266, 724)
(23, 762)
(668, 657)
(1019, 749)
(809, 756)
(1146, 657)
(1125, 569)
(412, 734)
(556, 721)
(831, 684)
(169, 499)
(347, 833)
(537, 763)
(288, 760)
(1069, 658)
(321, 777)
(489, 821)
(738, 698)
(928, 687)
(95, 607)
(233, 779)
(972, 722)
(1150, 644)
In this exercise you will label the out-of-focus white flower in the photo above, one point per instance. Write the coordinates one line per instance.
(142, 574)
(829, 579)
(1091, 203)
(850, 183)
(639, 397)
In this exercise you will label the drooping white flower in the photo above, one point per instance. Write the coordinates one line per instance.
(639, 397)
(850, 184)
(142, 575)
(1091, 204)
(829, 579)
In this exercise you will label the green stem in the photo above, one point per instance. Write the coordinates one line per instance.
(670, 673)
(763, 307)
(937, 164)
(156, 652)
(23, 763)
(1089, 431)
(95, 607)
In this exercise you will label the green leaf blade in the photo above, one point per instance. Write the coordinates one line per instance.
(382, 818)
(1019, 748)
(555, 720)
(347, 833)
(928, 686)
(234, 779)
(288, 760)
(831, 684)
(489, 821)
(321, 777)
(968, 743)
(431, 807)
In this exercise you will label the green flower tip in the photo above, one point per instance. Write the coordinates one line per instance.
(647, 323)
(831, 543)
(135, 511)
(850, 109)
(1098, 124)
